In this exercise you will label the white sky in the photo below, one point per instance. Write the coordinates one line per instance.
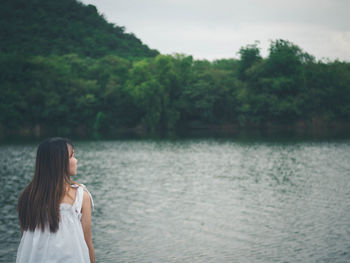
(214, 29)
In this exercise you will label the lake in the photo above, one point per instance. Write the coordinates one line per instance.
(202, 199)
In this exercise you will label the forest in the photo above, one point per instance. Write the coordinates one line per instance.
(66, 88)
(46, 27)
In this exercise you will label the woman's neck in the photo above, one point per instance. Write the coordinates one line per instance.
(66, 187)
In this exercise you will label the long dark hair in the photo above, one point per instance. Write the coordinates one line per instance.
(39, 203)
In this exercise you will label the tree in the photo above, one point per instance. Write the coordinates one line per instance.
(249, 55)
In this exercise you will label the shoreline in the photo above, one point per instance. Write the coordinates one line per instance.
(298, 128)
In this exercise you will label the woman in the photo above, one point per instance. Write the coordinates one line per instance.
(55, 213)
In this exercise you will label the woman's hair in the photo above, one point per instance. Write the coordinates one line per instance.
(39, 203)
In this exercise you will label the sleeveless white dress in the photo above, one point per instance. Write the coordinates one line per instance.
(66, 245)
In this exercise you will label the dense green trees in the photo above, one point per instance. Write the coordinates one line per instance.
(71, 94)
(45, 27)
(65, 70)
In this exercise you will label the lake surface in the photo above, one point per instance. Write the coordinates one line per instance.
(202, 200)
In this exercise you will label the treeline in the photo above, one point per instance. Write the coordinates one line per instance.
(71, 94)
(46, 27)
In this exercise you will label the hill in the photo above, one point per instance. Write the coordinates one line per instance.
(44, 27)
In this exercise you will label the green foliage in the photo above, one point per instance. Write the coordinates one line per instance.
(285, 59)
(74, 94)
(156, 86)
(249, 56)
(45, 27)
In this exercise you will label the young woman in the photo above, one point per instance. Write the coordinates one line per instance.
(55, 213)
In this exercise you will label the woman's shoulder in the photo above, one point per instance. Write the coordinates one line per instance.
(76, 185)
(86, 193)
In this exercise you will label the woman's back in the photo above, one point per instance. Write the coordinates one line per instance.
(67, 244)
(70, 195)
(55, 214)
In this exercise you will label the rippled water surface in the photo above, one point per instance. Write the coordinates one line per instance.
(202, 200)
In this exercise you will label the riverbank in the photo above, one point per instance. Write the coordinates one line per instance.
(315, 127)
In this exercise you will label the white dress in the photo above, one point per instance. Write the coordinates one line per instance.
(66, 245)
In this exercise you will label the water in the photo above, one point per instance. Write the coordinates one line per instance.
(202, 200)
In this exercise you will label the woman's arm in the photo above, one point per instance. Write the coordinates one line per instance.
(86, 223)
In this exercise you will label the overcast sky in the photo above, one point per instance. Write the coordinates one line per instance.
(214, 29)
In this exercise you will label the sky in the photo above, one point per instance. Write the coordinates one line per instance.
(216, 29)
